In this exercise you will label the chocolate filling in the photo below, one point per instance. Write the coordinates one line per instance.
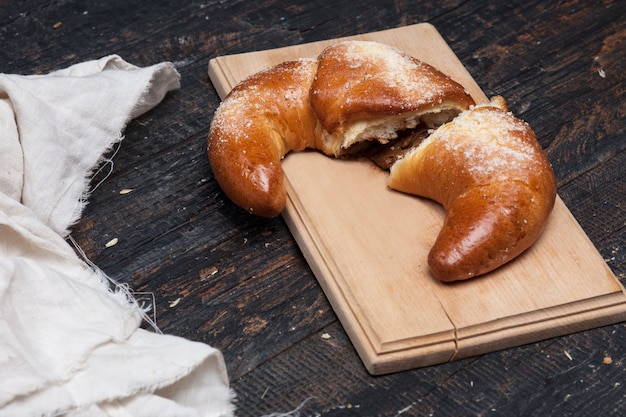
(384, 155)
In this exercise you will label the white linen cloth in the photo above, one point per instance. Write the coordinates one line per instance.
(69, 344)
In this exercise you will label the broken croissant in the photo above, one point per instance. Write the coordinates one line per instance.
(482, 164)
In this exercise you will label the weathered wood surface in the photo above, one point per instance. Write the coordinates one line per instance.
(243, 285)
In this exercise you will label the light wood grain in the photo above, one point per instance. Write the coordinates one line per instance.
(367, 246)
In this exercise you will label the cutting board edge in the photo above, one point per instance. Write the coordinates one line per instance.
(378, 363)
(537, 331)
(462, 342)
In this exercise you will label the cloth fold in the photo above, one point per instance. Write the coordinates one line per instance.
(69, 344)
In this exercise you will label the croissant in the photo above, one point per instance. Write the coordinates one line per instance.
(490, 174)
(481, 163)
(353, 94)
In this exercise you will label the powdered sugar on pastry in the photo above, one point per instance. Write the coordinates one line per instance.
(490, 174)
(495, 145)
(366, 91)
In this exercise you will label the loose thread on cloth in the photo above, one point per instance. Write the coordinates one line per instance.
(124, 289)
(107, 281)
(103, 163)
(106, 162)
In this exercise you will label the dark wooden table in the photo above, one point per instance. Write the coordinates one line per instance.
(240, 283)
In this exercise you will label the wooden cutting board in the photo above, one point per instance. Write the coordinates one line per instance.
(367, 246)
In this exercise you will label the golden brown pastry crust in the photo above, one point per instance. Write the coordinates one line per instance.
(490, 174)
(364, 81)
(261, 119)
